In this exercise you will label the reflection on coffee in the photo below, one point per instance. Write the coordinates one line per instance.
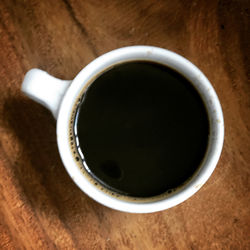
(142, 129)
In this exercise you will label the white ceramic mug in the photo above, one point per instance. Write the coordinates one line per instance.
(59, 96)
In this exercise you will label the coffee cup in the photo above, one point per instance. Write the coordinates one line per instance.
(145, 183)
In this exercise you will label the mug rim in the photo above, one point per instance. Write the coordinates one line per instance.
(182, 66)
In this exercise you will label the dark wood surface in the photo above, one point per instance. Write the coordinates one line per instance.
(40, 207)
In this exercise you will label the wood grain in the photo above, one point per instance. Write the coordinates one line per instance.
(40, 207)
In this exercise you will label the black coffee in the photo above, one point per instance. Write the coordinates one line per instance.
(142, 129)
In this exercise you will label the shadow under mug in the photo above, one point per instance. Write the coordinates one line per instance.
(60, 96)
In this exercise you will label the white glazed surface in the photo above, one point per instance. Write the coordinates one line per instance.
(45, 89)
(181, 65)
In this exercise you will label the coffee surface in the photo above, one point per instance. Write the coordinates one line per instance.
(142, 129)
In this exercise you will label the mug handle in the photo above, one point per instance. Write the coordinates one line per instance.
(45, 89)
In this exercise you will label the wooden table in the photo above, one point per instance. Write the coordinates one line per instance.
(40, 206)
